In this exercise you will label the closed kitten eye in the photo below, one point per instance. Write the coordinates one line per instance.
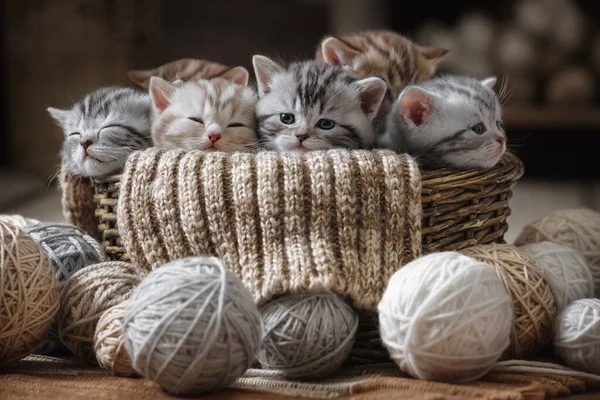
(287, 118)
(199, 120)
(325, 124)
(235, 125)
(74, 133)
(479, 128)
(500, 125)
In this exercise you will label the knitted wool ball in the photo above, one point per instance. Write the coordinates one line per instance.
(533, 303)
(192, 326)
(307, 336)
(445, 317)
(578, 229)
(577, 339)
(28, 294)
(109, 342)
(565, 270)
(86, 296)
(17, 220)
(69, 248)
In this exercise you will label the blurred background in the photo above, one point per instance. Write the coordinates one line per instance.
(546, 51)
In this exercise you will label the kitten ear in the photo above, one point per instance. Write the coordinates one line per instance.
(237, 75)
(264, 68)
(435, 54)
(59, 115)
(338, 52)
(141, 78)
(415, 104)
(489, 82)
(372, 91)
(160, 91)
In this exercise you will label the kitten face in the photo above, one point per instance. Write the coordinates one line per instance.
(315, 106)
(209, 115)
(186, 69)
(449, 122)
(382, 53)
(103, 129)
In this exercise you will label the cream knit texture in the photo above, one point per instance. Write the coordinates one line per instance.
(341, 221)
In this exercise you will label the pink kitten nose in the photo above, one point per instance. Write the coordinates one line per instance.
(501, 139)
(213, 137)
(86, 144)
(302, 137)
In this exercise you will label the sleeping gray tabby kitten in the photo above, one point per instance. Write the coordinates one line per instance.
(103, 129)
(450, 121)
(315, 106)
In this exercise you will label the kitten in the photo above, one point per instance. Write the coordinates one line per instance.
(314, 106)
(448, 122)
(103, 129)
(389, 55)
(186, 69)
(216, 114)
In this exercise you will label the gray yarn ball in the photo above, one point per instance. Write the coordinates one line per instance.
(69, 249)
(192, 326)
(307, 336)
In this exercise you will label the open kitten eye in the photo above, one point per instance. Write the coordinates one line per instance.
(199, 120)
(500, 125)
(287, 118)
(325, 124)
(74, 134)
(479, 128)
(235, 125)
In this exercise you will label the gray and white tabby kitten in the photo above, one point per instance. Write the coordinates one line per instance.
(313, 105)
(450, 121)
(103, 129)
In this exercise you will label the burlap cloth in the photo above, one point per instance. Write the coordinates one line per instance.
(284, 223)
(39, 377)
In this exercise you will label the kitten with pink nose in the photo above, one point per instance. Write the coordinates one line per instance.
(206, 114)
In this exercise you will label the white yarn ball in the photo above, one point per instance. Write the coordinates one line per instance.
(192, 326)
(577, 335)
(446, 317)
(566, 271)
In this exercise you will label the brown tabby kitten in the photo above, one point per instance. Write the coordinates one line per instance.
(385, 54)
(185, 69)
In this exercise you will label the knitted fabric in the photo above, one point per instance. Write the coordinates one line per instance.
(78, 202)
(293, 223)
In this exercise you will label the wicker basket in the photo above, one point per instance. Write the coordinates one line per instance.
(459, 209)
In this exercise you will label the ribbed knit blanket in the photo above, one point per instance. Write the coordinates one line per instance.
(341, 221)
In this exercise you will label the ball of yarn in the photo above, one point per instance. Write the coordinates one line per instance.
(192, 326)
(86, 296)
(577, 338)
(68, 247)
(109, 343)
(445, 317)
(28, 294)
(307, 336)
(565, 269)
(533, 303)
(578, 229)
(17, 220)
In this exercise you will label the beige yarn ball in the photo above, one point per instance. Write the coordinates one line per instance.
(579, 229)
(565, 269)
(445, 317)
(534, 307)
(109, 343)
(86, 295)
(577, 339)
(28, 294)
(307, 336)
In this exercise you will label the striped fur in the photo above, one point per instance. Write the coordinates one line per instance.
(448, 122)
(186, 69)
(195, 111)
(314, 92)
(103, 129)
